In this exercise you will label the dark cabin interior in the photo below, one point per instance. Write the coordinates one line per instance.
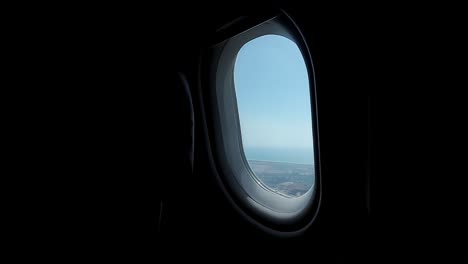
(132, 155)
(131, 132)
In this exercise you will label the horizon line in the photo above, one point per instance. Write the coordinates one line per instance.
(282, 162)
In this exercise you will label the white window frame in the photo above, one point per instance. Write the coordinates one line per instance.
(269, 209)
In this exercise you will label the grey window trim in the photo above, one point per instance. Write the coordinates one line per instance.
(272, 211)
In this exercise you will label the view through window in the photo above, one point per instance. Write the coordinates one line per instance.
(272, 90)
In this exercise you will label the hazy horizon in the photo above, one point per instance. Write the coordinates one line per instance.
(289, 155)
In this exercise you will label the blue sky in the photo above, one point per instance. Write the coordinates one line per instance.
(272, 89)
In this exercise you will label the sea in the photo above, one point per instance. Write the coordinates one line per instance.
(293, 155)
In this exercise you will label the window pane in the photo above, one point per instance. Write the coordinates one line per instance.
(272, 90)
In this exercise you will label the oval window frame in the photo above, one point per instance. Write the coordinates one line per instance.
(270, 211)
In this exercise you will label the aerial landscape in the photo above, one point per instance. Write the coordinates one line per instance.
(291, 179)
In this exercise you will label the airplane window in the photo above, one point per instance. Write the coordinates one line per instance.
(272, 89)
(261, 123)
